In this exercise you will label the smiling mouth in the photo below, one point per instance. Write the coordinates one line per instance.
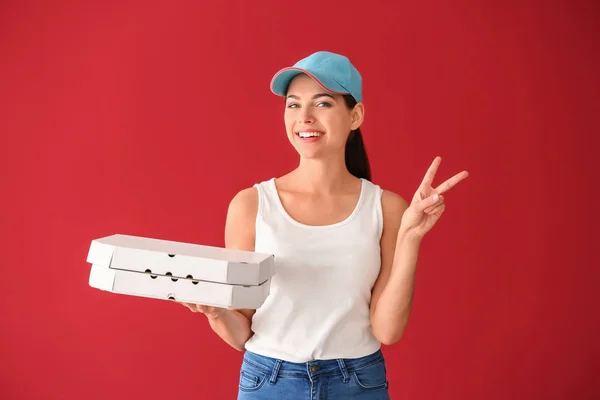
(307, 135)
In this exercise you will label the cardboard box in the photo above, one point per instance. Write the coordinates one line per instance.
(183, 290)
(179, 271)
(181, 260)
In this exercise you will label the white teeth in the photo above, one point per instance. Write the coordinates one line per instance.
(309, 134)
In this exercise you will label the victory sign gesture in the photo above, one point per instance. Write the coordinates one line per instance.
(427, 205)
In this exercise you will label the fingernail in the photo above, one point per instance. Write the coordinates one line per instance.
(435, 197)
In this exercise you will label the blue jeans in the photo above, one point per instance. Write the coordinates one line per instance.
(268, 378)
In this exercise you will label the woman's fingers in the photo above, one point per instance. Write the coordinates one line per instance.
(450, 183)
(437, 210)
(185, 304)
(192, 307)
(429, 201)
(198, 307)
(434, 205)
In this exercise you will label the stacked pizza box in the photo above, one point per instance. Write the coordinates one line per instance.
(183, 272)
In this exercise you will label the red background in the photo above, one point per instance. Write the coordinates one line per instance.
(146, 118)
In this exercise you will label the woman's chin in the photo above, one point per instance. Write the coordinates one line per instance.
(310, 155)
(307, 151)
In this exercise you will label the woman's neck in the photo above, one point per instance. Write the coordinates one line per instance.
(322, 176)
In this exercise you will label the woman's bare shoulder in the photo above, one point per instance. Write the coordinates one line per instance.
(393, 206)
(241, 218)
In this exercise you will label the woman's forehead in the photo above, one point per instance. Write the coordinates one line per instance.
(304, 86)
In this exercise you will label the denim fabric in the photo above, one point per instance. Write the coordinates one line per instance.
(268, 378)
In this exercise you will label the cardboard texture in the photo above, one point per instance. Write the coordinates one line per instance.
(179, 271)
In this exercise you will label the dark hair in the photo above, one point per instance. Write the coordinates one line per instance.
(357, 161)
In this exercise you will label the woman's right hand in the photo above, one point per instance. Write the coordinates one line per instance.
(210, 311)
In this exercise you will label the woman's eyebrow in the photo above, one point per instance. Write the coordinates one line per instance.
(315, 96)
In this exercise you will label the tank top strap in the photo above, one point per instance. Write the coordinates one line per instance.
(267, 203)
(372, 205)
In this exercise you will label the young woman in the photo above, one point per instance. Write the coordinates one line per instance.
(345, 250)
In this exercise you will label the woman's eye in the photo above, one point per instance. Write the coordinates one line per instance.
(319, 104)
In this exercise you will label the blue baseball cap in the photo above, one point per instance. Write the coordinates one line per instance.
(332, 71)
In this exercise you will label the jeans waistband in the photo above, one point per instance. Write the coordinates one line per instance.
(277, 367)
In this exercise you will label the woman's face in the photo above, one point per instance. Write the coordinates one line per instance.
(317, 121)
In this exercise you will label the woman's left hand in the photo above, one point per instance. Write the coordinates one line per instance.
(428, 204)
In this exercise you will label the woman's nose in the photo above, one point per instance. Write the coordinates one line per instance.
(306, 116)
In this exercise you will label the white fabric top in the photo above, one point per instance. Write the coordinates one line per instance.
(320, 295)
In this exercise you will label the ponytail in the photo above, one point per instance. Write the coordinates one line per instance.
(357, 161)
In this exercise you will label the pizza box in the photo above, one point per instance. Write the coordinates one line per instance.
(183, 290)
(179, 271)
(181, 260)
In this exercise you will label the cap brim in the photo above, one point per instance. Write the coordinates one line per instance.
(281, 81)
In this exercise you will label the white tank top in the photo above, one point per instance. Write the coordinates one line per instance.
(318, 307)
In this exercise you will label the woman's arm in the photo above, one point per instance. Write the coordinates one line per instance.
(391, 300)
(233, 326)
(404, 228)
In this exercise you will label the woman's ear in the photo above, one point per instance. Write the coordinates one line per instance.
(358, 116)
